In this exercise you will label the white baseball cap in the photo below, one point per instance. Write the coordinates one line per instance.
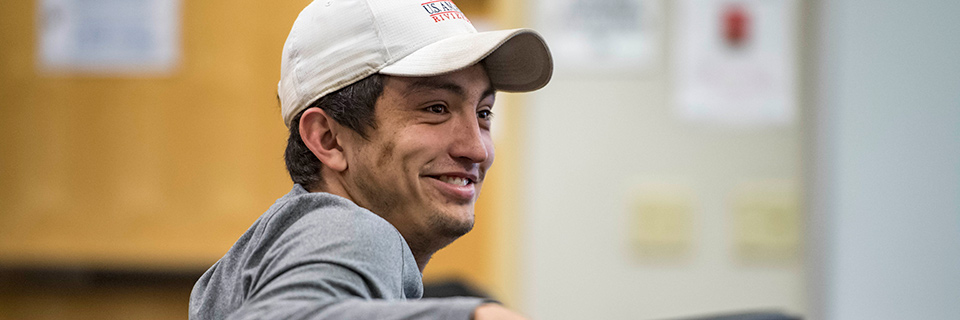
(334, 43)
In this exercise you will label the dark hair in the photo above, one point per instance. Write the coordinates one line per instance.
(351, 107)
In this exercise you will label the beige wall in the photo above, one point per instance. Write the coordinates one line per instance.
(603, 143)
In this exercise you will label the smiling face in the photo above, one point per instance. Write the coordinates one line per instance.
(422, 167)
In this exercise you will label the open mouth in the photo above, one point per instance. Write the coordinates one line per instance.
(457, 181)
(460, 188)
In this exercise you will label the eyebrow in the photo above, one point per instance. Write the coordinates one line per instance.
(434, 84)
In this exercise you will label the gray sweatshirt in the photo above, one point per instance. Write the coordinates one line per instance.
(319, 256)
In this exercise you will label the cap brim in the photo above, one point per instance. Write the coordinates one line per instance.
(516, 60)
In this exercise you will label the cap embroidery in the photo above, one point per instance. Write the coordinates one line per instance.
(442, 10)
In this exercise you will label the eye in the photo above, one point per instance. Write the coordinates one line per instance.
(485, 114)
(437, 109)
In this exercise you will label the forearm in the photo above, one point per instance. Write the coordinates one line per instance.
(352, 308)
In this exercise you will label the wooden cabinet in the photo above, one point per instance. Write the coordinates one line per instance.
(157, 174)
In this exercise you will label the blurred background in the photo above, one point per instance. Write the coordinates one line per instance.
(689, 158)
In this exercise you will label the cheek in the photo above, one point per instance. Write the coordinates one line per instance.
(412, 153)
(386, 154)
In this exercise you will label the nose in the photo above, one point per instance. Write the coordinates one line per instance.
(470, 143)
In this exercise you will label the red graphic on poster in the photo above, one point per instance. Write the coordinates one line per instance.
(736, 26)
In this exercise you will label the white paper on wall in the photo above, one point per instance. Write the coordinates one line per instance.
(133, 37)
(602, 35)
(735, 61)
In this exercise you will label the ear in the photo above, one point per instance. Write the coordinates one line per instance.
(319, 133)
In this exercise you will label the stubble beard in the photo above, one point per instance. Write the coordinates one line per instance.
(434, 229)
(390, 205)
(450, 227)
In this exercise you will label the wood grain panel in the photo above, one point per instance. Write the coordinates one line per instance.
(158, 173)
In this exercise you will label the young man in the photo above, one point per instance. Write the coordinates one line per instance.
(389, 105)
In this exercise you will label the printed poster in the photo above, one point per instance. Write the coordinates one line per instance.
(136, 37)
(735, 61)
(609, 36)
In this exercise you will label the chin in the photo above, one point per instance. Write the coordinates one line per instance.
(453, 225)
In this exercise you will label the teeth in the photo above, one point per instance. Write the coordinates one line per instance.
(454, 180)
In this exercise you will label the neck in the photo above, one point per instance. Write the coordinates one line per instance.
(331, 188)
(422, 261)
(422, 246)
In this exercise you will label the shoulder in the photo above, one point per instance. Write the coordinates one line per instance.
(327, 215)
(315, 238)
(329, 226)
(336, 238)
